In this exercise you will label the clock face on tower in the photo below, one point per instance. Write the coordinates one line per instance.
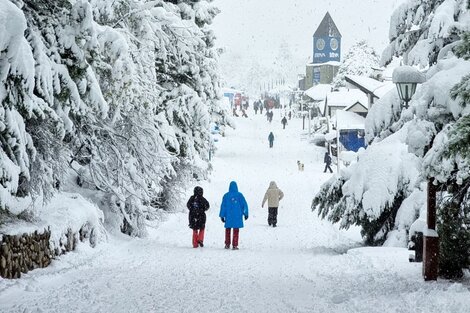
(320, 44)
(334, 44)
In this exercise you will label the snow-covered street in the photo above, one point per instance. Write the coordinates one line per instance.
(304, 265)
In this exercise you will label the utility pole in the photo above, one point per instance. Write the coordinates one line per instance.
(337, 145)
(309, 124)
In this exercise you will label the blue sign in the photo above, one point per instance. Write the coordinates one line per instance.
(326, 49)
(316, 75)
(352, 139)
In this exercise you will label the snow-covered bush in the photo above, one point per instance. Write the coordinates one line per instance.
(369, 193)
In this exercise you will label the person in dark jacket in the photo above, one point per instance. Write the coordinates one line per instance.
(271, 139)
(197, 206)
(232, 211)
(284, 122)
(327, 161)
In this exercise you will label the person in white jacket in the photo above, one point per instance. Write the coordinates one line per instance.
(273, 195)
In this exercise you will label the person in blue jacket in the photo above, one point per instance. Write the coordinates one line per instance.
(232, 211)
(271, 139)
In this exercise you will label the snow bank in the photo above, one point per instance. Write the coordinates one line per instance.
(65, 211)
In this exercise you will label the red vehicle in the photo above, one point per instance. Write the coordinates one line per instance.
(269, 103)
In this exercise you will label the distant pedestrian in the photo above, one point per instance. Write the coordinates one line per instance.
(255, 107)
(269, 115)
(327, 161)
(271, 139)
(244, 113)
(245, 104)
(232, 211)
(260, 108)
(290, 114)
(197, 206)
(273, 195)
(284, 122)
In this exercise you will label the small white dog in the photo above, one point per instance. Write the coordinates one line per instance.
(300, 166)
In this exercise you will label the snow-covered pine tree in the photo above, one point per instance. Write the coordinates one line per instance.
(190, 94)
(450, 163)
(359, 60)
(399, 140)
(420, 31)
(81, 85)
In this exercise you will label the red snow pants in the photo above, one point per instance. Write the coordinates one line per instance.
(198, 236)
(235, 236)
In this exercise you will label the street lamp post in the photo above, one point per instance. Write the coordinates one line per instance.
(407, 78)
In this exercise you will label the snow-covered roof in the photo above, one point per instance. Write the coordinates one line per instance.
(333, 63)
(353, 104)
(318, 92)
(231, 90)
(348, 120)
(366, 82)
(384, 89)
(345, 98)
(369, 85)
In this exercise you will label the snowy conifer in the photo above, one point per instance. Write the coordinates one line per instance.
(120, 92)
(421, 31)
(359, 60)
(425, 33)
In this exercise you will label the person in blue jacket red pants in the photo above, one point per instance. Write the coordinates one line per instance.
(232, 211)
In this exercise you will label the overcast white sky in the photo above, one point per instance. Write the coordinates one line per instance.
(254, 29)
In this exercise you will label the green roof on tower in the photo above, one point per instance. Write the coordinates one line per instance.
(327, 28)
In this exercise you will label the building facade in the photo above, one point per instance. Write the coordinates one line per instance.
(326, 54)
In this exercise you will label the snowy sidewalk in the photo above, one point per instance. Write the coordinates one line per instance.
(300, 266)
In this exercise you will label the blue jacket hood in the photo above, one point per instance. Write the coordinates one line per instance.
(233, 207)
(233, 187)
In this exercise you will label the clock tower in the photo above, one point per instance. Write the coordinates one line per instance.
(326, 42)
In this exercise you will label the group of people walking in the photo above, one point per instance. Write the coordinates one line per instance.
(258, 105)
(269, 115)
(234, 111)
(233, 211)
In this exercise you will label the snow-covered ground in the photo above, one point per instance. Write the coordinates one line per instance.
(303, 265)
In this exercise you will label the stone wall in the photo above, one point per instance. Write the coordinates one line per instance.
(22, 253)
